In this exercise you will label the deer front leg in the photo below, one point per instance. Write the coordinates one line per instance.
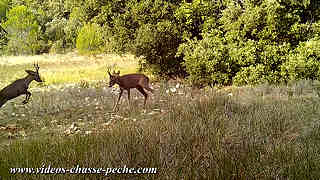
(28, 94)
(121, 91)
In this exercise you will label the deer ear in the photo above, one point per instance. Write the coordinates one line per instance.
(118, 72)
(31, 72)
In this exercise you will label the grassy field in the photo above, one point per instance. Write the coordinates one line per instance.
(68, 68)
(262, 132)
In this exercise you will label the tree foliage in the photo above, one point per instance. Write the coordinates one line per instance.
(23, 31)
(253, 42)
(89, 38)
(158, 44)
(209, 41)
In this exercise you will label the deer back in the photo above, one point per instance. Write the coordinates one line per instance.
(15, 89)
(132, 80)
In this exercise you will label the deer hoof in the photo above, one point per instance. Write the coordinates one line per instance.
(24, 102)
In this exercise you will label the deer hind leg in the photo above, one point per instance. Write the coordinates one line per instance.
(115, 106)
(2, 102)
(147, 87)
(128, 96)
(28, 94)
(144, 94)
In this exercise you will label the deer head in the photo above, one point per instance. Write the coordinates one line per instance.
(35, 74)
(113, 77)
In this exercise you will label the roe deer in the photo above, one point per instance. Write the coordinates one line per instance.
(129, 81)
(20, 87)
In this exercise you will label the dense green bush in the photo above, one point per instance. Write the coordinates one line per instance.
(123, 19)
(89, 38)
(251, 43)
(158, 44)
(194, 16)
(118, 29)
(23, 31)
(4, 4)
(120, 37)
(254, 74)
(73, 26)
(55, 34)
(304, 62)
(207, 61)
(260, 63)
(60, 23)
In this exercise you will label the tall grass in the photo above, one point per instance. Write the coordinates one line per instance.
(231, 133)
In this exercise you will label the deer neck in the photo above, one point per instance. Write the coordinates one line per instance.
(118, 81)
(28, 79)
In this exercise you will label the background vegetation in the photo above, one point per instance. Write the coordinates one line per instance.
(208, 41)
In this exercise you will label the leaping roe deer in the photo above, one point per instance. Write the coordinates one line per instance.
(20, 87)
(130, 81)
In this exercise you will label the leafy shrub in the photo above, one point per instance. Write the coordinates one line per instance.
(56, 47)
(260, 62)
(194, 16)
(122, 19)
(89, 38)
(118, 27)
(158, 44)
(249, 44)
(61, 33)
(73, 26)
(3, 8)
(207, 60)
(3, 11)
(23, 31)
(251, 75)
(304, 62)
(55, 34)
(120, 37)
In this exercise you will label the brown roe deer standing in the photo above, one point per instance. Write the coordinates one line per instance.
(129, 81)
(20, 87)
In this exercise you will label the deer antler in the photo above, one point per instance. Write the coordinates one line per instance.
(36, 66)
(109, 70)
